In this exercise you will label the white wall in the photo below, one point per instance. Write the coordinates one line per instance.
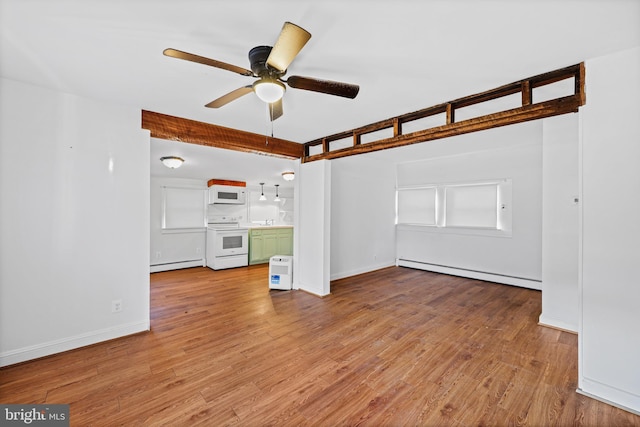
(560, 222)
(512, 152)
(173, 250)
(609, 338)
(312, 236)
(74, 221)
(259, 211)
(362, 215)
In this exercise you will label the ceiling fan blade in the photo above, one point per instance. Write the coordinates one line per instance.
(231, 96)
(174, 53)
(290, 42)
(324, 86)
(275, 110)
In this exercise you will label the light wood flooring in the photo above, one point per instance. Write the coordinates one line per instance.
(395, 347)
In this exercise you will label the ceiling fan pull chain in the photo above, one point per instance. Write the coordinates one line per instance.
(266, 133)
(271, 121)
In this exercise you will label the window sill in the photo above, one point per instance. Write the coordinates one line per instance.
(183, 230)
(464, 231)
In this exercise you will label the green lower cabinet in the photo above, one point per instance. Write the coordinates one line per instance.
(267, 242)
(284, 244)
(255, 247)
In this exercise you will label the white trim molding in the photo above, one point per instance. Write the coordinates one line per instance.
(58, 346)
(473, 274)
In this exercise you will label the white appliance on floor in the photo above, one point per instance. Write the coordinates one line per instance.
(227, 243)
(280, 272)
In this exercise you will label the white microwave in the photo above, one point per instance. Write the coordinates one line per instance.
(227, 194)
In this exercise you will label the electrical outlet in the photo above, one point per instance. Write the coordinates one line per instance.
(116, 306)
(158, 254)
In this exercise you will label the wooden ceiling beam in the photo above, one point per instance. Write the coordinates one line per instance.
(518, 115)
(450, 127)
(184, 130)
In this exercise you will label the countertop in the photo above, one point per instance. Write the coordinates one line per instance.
(265, 227)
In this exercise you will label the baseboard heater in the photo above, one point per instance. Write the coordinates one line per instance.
(177, 265)
(473, 274)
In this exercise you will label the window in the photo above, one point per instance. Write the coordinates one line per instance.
(471, 206)
(417, 206)
(183, 208)
(477, 207)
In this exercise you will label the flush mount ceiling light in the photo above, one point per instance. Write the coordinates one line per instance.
(172, 162)
(269, 90)
(288, 176)
(277, 199)
(262, 196)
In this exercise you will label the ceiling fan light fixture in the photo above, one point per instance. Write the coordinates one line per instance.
(288, 175)
(269, 64)
(172, 162)
(269, 90)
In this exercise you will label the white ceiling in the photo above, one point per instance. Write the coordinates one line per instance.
(204, 163)
(404, 54)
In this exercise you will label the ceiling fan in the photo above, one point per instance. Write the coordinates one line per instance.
(269, 65)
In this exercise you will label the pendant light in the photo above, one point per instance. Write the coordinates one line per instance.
(277, 199)
(262, 197)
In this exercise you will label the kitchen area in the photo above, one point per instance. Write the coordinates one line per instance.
(232, 242)
(220, 222)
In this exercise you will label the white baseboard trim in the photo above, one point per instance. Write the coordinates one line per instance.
(367, 269)
(65, 344)
(557, 324)
(611, 396)
(308, 289)
(473, 274)
(156, 268)
(312, 293)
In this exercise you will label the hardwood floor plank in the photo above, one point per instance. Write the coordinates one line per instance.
(281, 402)
(35, 386)
(339, 402)
(394, 347)
(383, 408)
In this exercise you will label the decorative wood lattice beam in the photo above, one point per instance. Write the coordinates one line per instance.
(184, 130)
(526, 112)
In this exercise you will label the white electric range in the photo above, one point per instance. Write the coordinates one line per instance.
(227, 243)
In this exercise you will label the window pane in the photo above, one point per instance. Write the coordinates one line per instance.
(417, 206)
(183, 208)
(472, 206)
